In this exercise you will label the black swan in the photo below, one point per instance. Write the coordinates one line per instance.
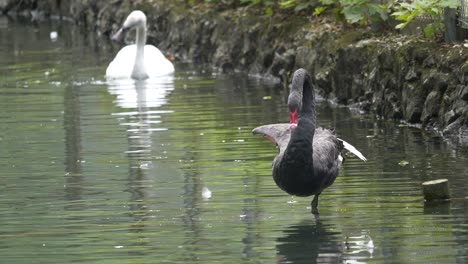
(309, 157)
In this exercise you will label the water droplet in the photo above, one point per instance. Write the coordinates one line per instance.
(403, 163)
(206, 193)
(53, 35)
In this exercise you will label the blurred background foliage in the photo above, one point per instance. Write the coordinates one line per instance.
(361, 12)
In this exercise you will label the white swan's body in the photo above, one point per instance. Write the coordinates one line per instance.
(156, 64)
(138, 61)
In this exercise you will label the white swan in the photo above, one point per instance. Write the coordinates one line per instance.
(137, 61)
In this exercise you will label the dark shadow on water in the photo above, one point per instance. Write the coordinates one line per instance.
(309, 242)
(73, 166)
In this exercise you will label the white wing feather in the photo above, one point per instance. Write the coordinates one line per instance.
(353, 150)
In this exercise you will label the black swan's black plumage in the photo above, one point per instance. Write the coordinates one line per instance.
(309, 157)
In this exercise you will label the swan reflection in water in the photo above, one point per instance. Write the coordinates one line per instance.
(310, 242)
(140, 95)
(140, 103)
(143, 100)
(318, 242)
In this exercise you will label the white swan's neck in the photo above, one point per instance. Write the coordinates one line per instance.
(139, 70)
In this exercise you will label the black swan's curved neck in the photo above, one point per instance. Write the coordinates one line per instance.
(297, 157)
(302, 100)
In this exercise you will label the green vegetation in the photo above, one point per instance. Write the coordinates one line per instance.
(362, 12)
(355, 11)
(434, 9)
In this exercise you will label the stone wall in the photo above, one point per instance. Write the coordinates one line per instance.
(393, 76)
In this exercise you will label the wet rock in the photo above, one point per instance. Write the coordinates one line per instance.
(457, 131)
(411, 75)
(347, 77)
(305, 55)
(442, 84)
(464, 93)
(429, 62)
(420, 53)
(450, 116)
(283, 62)
(431, 107)
(413, 100)
(4, 4)
(386, 59)
(8, 5)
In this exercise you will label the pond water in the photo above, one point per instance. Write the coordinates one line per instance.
(98, 172)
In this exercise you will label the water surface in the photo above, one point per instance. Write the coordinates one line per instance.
(100, 172)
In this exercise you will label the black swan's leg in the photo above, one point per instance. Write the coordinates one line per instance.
(314, 204)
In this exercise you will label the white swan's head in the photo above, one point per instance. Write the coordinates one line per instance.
(136, 19)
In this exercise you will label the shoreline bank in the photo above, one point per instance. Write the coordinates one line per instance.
(397, 77)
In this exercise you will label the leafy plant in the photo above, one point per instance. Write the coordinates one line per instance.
(257, 2)
(298, 5)
(359, 11)
(268, 5)
(434, 9)
(355, 11)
